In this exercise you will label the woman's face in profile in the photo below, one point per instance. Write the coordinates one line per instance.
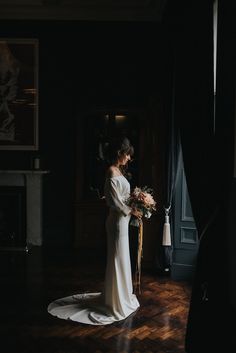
(124, 158)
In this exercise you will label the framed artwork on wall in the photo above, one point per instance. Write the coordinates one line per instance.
(18, 94)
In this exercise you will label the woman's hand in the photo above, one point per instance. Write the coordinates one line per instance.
(136, 213)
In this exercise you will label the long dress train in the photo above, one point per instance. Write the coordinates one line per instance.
(117, 301)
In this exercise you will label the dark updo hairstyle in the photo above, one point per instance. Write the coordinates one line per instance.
(117, 147)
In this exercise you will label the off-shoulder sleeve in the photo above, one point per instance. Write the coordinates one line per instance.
(114, 199)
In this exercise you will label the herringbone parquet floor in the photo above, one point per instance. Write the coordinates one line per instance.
(31, 281)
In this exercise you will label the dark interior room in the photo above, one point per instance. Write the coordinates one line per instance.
(74, 75)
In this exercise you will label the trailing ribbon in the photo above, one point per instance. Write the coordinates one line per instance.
(139, 257)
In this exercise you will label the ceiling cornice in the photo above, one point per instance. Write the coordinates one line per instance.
(83, 10)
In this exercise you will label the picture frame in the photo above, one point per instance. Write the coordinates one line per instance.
(19, 94)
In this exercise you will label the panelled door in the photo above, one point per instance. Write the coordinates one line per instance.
(185, 237)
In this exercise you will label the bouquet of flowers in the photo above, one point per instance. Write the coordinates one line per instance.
(142, 199)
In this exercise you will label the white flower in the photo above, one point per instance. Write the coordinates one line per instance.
(148, 214)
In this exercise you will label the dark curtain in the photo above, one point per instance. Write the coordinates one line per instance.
(171, 154)
(207, 156)
(172, 159)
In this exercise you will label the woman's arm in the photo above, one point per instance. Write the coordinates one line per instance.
(115, 200)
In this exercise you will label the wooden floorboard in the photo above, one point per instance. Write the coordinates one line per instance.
(30, 281)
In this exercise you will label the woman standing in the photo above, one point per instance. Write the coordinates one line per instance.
(117, 301)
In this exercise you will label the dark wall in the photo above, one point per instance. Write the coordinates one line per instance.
(81, 65)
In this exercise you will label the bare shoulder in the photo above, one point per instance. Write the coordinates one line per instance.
(112, 171)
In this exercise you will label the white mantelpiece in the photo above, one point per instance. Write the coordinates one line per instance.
(32, 181)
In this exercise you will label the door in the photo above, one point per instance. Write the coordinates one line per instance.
(185, 237)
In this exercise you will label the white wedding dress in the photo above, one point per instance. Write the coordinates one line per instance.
(117, 301)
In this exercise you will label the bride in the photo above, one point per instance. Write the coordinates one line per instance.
(117, 300)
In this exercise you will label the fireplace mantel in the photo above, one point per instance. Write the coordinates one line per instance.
(32, 181)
